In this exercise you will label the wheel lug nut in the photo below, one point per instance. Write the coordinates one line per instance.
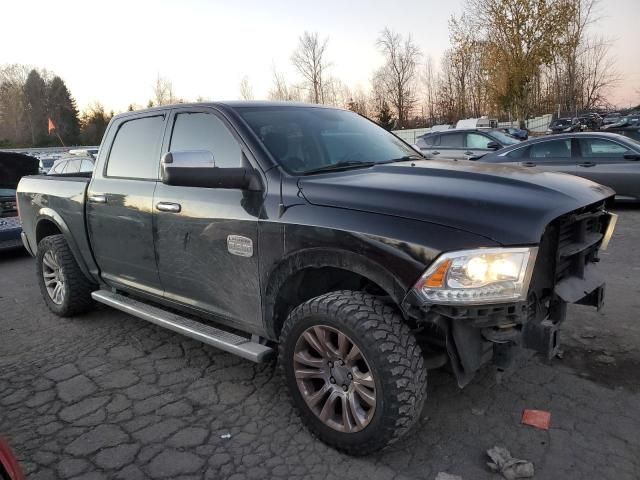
(345, 388)
(349, 376)
(341, 362)
(330, 364)
(332, 380)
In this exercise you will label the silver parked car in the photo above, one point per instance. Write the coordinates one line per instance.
(463, 144)
(606, 158)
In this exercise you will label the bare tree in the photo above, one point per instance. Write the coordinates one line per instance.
(163, 92)
(597, 74)
(398, 74)
(281, 90)
(309, 60)
(246, 91)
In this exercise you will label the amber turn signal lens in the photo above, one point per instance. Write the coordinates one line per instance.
(436, 279)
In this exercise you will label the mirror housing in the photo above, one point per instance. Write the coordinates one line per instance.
(197, 169)
(494, 146)
(632, 156)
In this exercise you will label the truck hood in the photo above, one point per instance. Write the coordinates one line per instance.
(509, 205)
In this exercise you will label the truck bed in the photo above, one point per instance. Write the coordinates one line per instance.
(61, 198)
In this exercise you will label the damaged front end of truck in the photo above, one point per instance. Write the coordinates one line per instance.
(521, 295)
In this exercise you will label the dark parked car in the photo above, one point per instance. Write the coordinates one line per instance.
(611, 118)
(563, 125)
(313, 232)
(13, 166)
(519, 133)
(72, 165)
(605, 158)
(590, 121)
(464, 144)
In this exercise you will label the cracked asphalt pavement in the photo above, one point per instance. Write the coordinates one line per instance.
(106, 395)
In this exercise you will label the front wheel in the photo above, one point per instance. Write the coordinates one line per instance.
(354, 370)
(65, 289)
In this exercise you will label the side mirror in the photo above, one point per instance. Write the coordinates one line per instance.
(494, 146)
(197, 169)
(632, 156)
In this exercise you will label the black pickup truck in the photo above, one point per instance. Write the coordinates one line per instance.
(314, 232)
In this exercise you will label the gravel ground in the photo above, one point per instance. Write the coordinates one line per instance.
(106, 395)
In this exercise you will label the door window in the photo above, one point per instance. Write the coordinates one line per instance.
(597, 147)
(86, 166)
(73, 166)
(552, 149)
(205, 131)
(451, 140)
(475, 140)
(135, 150)
(518, 153)
(57, 168)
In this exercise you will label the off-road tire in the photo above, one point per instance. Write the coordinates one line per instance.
(395, 359)
(77, 293)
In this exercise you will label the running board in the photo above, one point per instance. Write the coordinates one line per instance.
(227, 341)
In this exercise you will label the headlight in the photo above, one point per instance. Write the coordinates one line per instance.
(488, 275)
(568, 129)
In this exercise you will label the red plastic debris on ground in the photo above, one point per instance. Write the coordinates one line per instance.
(537, 418)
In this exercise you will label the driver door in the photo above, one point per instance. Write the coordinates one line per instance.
(207, 238)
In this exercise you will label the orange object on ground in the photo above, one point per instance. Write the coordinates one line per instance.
(537, 418)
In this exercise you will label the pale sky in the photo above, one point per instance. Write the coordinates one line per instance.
(112, 51)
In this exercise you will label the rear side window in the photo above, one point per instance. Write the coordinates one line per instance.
(86, 166)
(597, 147)
(452, 140)
(205, 131)
(553, 149)
(136, 149)
(428, 140)
(73, 166)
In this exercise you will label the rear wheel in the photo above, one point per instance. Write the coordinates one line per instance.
(65, 289)
(354, 370)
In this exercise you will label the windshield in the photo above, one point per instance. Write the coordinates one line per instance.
(305, 139)
(504, 138)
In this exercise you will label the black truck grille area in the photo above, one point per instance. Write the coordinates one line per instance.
(569, 244)
(579, 237)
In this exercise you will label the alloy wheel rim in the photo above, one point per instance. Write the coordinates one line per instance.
(53, 277)
(334, 379)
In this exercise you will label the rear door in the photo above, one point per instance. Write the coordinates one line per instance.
(198, 230)
(451, 146)
(551, 155)
(602, 161)
(120, 203)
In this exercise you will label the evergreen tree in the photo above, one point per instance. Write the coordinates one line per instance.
(94, 124)
(385, 117)
(35, 105)
(62, 110)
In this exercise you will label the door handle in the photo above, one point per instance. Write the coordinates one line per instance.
(528, 164)
(587, 164)
(435, 152)
(98, 198)
(168, 207)
(469, 153)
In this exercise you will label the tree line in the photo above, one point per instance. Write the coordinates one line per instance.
(509, 59)
(33, 100)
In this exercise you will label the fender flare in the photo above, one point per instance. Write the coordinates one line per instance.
(326, 257)
(50, 215)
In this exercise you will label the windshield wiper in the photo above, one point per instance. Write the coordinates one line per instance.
(406, 158)
(341, 166)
